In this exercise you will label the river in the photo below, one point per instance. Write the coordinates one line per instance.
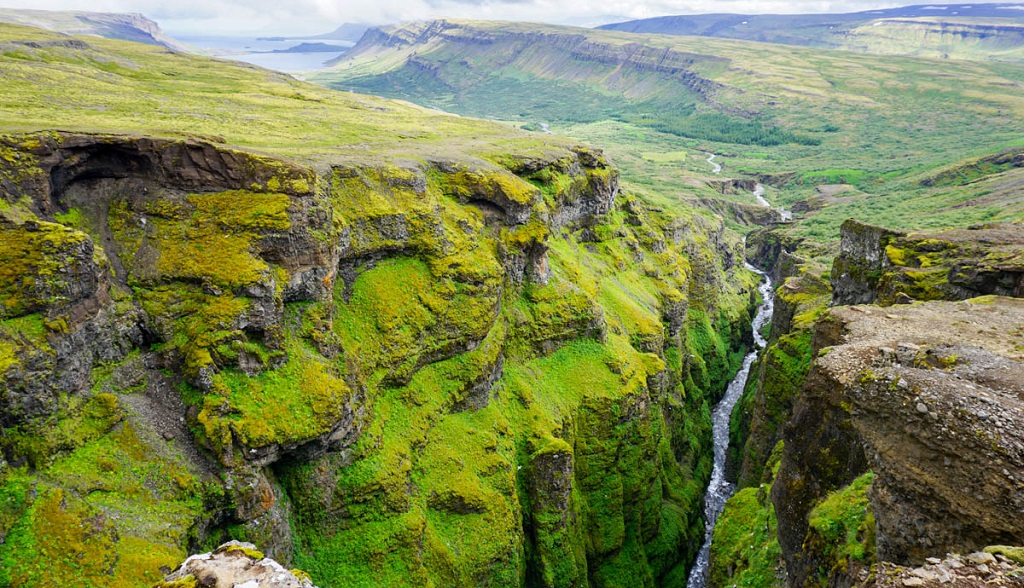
(711, 159)
(719, 489)
(758, 190)
(759, 194)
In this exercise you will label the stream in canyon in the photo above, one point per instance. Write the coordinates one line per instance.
(719, 489)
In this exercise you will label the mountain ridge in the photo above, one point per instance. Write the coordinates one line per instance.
(960, 31)
(123, 26)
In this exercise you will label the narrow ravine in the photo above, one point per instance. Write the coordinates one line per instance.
(719, 489)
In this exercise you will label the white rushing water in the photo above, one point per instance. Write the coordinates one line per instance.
(711, 159)
(759, 194)
(719, 489)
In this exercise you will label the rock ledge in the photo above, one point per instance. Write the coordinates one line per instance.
(234, 565)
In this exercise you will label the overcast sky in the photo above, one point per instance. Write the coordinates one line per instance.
(320, 16)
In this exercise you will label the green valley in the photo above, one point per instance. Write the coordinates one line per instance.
(457, 310)
(871, 130)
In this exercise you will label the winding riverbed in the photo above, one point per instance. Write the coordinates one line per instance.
(759, 194)
(719, 489)
(711, 159)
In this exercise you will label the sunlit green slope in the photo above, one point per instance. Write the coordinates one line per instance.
(794, 118)
(386, 344)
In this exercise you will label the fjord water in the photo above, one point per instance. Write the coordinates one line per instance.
(719, 489)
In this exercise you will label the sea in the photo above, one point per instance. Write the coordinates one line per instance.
(256, 51)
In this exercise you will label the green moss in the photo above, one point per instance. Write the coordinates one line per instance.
(767, 402)
(194, 322)
(1015, 554)
(842, 528)
(250, 553)
(216, 244)
(120, 512)
(491, 185)
(77, 422)
(745, 551)
(34, 263)
(73, 218)
(7, 356)
(59, 531)
(296, 402)
(398, 309)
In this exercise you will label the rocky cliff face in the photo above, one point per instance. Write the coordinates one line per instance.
(433, 373)
(927, 397)
(878, 265)
(898, 444)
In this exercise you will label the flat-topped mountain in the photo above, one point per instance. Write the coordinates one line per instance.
(127, 27)
(959, 31)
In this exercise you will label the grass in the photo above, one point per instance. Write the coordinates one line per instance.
(121, 87)
(109, 513)
(812, 116)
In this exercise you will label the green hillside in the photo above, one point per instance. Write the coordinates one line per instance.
(794, 118)
(388, 345)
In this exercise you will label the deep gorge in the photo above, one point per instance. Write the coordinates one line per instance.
(389, 346)
(504, 374)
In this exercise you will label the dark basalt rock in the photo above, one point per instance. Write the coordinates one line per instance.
(884, 266)
(938, 423)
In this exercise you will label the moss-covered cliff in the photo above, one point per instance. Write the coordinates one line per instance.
(385, 362)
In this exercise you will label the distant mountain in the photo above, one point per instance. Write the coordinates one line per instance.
(124, 26)
(349, 31)
(958, 31)
(311, 48)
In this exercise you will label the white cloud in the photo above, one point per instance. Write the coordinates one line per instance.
(316, 16)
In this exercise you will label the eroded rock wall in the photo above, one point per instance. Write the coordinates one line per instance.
(455, 371)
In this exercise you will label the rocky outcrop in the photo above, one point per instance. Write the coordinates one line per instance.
(774, 252)
(964, 173)
(978, 569)
(888, 267)
(234, 565)
(858, 267)
(747, 214)
(929, 398)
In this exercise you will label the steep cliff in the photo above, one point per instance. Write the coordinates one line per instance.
(385, 363)
(928, 398)
(887, 267)
(899, 443)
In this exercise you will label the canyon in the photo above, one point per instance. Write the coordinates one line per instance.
(381, 344)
